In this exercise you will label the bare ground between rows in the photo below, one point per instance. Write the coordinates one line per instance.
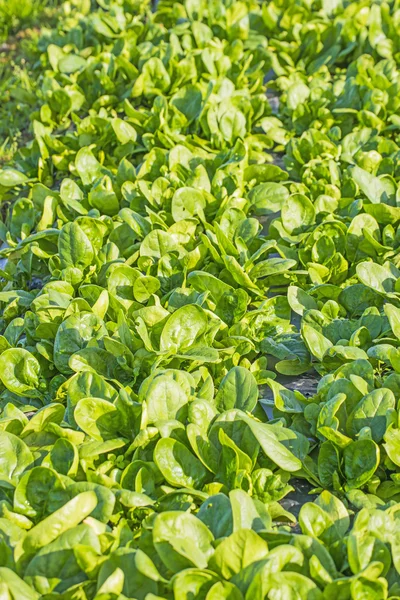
(307, 382)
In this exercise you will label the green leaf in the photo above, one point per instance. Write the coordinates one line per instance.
(238, 551)
(178, 465)
(74, 247)
(238, 389)
(10, 178)
(361, 459)
(16, 457)
(182, 541)
(271, 446)
(298, 213)
(370, 185)
(19, 371)
(98, 418)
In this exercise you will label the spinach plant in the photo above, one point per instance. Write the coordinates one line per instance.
(160, 272)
